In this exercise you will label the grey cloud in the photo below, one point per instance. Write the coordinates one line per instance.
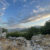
(34, 18)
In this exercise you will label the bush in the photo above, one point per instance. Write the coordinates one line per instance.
(32, 31)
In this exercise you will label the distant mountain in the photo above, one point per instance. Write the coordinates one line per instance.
(13, 30)
(21, 29)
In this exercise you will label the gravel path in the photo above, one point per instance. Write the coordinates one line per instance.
(29, 47)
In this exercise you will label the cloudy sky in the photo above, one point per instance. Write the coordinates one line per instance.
(24, 13)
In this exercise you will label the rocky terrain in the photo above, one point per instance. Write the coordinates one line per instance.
(41, 42)
(38, 42)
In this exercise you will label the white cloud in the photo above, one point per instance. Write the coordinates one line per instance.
(35, 11)
(41, 9)
(4, 5)
(3, 8)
